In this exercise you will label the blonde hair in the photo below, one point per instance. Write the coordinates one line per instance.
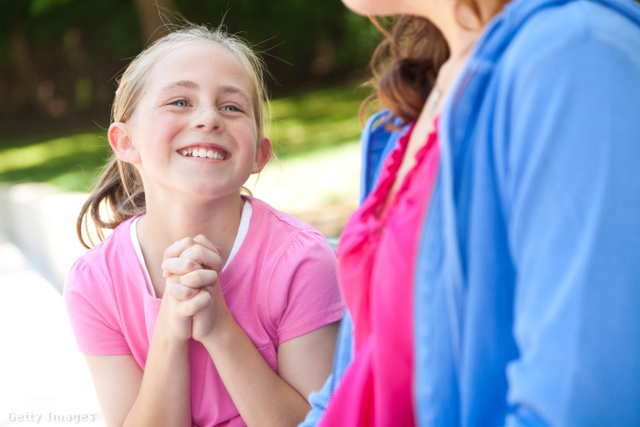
(120, 187)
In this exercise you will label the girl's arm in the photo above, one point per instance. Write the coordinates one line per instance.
(305, 362)
(262, 396)
(161, 394)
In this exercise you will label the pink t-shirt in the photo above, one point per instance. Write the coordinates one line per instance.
(376, 263)
(281, 284)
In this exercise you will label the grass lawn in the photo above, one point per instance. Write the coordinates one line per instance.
(302, 124)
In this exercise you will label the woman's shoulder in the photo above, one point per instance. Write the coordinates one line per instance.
(556, 28)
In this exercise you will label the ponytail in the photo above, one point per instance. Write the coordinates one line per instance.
(405, 66)
(120, 193)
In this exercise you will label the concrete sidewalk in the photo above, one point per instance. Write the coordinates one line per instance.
(44, 380)
(42, 374)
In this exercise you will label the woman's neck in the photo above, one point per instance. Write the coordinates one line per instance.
(169, 221)
(459, 24)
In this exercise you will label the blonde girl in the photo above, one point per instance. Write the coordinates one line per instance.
(204, 306)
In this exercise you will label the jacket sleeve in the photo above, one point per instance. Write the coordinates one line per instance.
(570, 182)
(376, 143)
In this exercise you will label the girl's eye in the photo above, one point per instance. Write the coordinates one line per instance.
(231, 108)
(180, 103)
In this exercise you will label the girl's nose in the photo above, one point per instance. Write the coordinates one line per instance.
(209, 119)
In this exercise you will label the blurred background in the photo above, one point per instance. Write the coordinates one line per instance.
(58, 58)
(59, 61)
(59, 64)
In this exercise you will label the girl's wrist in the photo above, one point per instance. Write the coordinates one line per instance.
(169, 342)
(222, 336)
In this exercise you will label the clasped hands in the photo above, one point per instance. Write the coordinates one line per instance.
(192, 304)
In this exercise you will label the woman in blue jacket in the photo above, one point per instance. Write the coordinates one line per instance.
(526, 288)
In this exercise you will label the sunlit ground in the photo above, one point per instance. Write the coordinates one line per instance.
(45, 380)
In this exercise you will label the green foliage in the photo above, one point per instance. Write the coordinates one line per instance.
(301, 124)
(316, 120)
(53, 51)
(41, 6)
(71, 162)
(305, 43)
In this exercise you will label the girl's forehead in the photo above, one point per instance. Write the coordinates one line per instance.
(200, 61)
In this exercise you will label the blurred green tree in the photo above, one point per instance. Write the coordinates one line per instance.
(59, 58)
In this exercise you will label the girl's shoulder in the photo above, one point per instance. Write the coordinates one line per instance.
(102, 260)
(274, 233)
(268, 216)
(290, 268)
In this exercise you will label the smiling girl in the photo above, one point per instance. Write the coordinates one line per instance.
(204, 306)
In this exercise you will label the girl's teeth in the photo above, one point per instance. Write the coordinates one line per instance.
(203, 153)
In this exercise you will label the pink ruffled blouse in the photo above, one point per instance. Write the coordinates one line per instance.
(376, 261)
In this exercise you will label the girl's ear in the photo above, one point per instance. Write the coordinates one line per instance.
(122, 144)
(263, 155)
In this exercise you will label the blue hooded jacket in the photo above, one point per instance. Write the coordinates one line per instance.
(527, 286)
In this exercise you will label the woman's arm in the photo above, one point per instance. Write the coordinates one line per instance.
(572, 188)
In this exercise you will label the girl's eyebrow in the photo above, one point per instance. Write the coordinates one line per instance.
(180, 83)
(193, 85)
(235, 90)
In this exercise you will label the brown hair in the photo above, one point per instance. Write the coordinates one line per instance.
(120, 190)
(406, 62)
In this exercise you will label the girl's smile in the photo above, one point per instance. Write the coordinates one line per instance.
(204, 152)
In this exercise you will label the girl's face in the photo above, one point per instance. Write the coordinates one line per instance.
(385, 7)
(193, 130)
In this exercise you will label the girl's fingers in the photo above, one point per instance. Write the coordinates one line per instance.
(199, 250)
(199, 278)
(192, 306)
(179, 266)
(180, 291)
(195, 279)
(204, 256)
(178, 247)
(202, 240)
